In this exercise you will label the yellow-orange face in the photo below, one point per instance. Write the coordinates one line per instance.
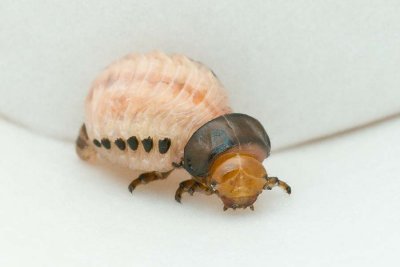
(238, 179)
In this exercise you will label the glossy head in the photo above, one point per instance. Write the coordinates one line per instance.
(238, 179)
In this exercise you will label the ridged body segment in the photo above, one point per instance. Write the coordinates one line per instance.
(151, 100)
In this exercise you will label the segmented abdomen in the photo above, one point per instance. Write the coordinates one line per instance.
(142, 109)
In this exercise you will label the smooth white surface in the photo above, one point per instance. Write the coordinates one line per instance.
(56, 210)
(304, 68)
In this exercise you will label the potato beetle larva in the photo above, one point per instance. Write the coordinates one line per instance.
(155, 113)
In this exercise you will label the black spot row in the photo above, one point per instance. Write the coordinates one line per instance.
(163, 145)
(147, 144)
(133, 143)
(120, 143)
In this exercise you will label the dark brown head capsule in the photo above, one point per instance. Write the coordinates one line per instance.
(226, 154)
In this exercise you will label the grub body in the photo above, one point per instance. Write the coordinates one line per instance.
(153, 113)
(142, 110)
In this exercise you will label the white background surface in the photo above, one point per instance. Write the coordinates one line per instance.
(304, 68)
(344, 210)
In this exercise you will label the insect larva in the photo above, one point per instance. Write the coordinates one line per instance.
(154, 113)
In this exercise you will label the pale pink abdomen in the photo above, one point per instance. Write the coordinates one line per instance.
(152, 95)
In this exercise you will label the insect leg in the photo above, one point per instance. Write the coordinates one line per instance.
(148, 177)
(274, 181)
(178, 165)
(191, 186)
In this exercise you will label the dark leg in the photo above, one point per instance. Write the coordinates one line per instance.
(177, 165)
(191, 186)
(274, 181)
(148, 177)
(83, 147)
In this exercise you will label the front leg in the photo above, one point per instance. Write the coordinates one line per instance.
(177, 165)
(148, 177)
(191, 186)
(274, 181)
